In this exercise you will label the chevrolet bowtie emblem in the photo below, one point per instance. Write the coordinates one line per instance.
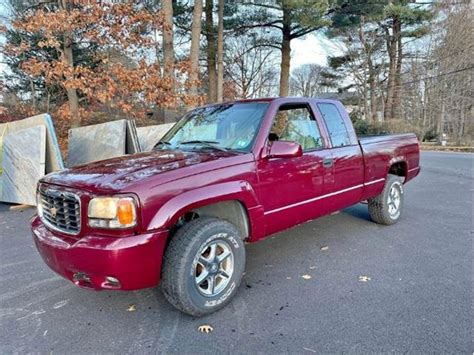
(54, 212)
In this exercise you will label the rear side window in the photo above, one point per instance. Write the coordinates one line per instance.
(335, 124)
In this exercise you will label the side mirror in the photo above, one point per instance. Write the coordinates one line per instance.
(285, 149)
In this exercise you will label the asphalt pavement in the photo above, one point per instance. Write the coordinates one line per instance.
(367, 288)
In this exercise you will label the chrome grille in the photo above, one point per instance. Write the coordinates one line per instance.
(60, 210)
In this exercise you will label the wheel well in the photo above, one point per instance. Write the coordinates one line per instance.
(399, 169)
(233, 211)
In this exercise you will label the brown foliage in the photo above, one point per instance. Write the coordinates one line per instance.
(120, 28)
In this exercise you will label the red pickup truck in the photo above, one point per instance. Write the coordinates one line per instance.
(225, 174)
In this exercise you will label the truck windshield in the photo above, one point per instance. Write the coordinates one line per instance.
(220, 127)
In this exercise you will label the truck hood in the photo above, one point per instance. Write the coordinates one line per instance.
(117, 174)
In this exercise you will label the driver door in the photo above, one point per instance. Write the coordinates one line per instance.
(289, 187)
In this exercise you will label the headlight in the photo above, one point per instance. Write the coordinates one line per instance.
(112, 212)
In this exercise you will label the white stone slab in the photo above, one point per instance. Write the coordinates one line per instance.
(150, 135)
(132, 144)
(54, 160)
(24, 160)
(96, 142)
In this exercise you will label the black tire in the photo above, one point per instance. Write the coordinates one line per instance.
(182, 262)
(381, 208)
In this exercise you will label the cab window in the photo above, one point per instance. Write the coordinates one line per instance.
(335, 124)
(296, 123)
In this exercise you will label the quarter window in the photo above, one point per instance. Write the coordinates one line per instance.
(335, 124)
(296, 124)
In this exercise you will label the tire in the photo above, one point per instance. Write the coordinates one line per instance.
(387, 207)
(188, 258)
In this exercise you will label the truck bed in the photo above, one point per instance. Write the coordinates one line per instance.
(383, 151)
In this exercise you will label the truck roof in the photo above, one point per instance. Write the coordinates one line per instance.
(284, 98)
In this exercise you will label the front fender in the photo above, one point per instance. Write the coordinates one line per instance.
(169, 213)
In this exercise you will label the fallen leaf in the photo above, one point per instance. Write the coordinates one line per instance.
(364, 278)
(131, 308)
(306, 277)
(205, 328)
(324, 248)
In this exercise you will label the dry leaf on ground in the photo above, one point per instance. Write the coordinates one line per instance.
(324, 248)
(205, 328)
(306, 277)
(364, 278)
(131, 308)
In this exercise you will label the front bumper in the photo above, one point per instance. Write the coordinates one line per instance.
(92, 261)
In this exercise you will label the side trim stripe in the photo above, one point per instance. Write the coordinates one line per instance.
(323, 196)
(374, 181)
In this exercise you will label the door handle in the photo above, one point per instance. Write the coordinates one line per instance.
(327, 163)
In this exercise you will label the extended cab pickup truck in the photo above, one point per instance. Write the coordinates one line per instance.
(225, 174)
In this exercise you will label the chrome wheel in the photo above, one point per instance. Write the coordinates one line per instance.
(214, 268)
(394, 200)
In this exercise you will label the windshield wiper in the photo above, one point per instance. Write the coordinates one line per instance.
(209, 144)
(161, 143)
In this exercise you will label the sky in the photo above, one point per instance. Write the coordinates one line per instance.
(314, 48)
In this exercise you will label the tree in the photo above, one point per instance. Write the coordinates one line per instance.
(195, 41)
(220, 51)
(306, 80)
(291, 19)
(250, 68)
(168, 45)
(363, 29)
(211, 53)
(448, 79)
(68, 58)
(403, 19)
(118, 76)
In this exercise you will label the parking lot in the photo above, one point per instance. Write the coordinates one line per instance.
(403, 288)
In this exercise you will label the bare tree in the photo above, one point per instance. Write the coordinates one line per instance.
(306, 80)
(250, 68)
(449, 81)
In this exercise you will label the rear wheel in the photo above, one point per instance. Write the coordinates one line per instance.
(203, 266)
(387, 207)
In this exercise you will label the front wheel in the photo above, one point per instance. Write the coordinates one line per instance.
(203, 266)
(386, 208)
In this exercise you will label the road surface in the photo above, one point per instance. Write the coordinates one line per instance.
(417, 296)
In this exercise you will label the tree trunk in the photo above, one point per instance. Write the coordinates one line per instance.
(71, 92)
(33, 94)
(373, 90)
(168, 47)
(392, 55)
(195, 41)
(372, 72)
(285, 54)
(396, 105)
(211, 54)
(68, 57)
(220, 52)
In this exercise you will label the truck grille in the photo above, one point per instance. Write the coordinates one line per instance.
(60, 210)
